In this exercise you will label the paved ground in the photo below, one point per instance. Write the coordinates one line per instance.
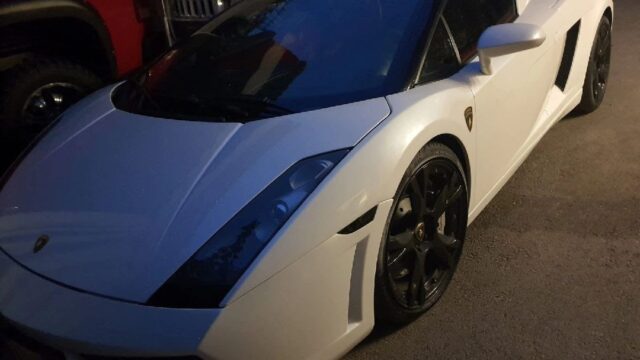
(551, 269)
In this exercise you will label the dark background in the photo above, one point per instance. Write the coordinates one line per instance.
(10, 146)
(551, 269)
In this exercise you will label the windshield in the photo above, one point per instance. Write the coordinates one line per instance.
(266, 58)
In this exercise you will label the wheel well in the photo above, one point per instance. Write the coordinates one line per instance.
(67, 38)
(609, 14)
(457, 147)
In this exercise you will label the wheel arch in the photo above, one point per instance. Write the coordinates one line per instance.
(456, 145)
(58, 28)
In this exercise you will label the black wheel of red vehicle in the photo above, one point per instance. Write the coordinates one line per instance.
(38, 90)
(597, 78)
(423, 237)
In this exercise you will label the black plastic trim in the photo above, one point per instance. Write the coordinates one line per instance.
(428, 37)
(570, 46)
(360, 222)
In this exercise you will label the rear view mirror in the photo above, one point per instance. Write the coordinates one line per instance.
(507, 39)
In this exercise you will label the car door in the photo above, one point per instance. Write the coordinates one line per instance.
(509, 101)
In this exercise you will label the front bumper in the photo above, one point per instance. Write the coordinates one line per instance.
(86, 324)
(318, 307)
(15, 345)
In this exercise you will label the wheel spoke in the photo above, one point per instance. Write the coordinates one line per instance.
(456, 192)
(440, 204)
(416, 293)
(446, 241)
(602, 73)
(596, 86)
(426, 182)
(401, 241)
(444, 248)
(445, 257)
(605, 39)
(448, 195)
(418, 201)
(397, 265)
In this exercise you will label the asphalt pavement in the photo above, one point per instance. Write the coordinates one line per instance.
(551, 269)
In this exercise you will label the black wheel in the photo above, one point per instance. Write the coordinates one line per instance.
(597, 79)
(423, 237)
(38, 90)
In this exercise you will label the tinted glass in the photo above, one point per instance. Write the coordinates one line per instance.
(468, 19)
(264, 58)
(442, 60)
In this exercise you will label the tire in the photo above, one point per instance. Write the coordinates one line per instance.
(57, 82)
(597, 78)
(434, 245)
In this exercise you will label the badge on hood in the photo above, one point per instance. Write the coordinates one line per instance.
(42, 241)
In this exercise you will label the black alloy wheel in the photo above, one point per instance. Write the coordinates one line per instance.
(602, 62)
(597, 78)
(48, 102)
(424, 236)
(38, 90)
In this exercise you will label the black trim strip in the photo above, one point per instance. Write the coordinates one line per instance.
(360, 222)
(415, 76)
(445, 23)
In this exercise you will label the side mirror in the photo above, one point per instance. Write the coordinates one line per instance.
(507, 39)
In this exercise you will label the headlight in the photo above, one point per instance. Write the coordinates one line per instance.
(205, 279)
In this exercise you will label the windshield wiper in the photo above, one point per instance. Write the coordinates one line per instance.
(193, 106)
(138, 84)
(236, 108)
(265, 105)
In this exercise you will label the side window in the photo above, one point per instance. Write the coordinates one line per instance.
(468, 19)
(442, 60)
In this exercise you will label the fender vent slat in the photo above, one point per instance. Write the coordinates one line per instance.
(360, 222)
(570, 46)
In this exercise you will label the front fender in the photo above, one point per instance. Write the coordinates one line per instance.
(369, 175)
(14, 12)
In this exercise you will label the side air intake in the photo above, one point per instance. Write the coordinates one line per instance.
(567, 58)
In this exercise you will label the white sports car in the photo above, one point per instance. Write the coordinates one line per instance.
(294, 172)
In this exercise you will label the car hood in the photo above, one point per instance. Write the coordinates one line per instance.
(126, 199)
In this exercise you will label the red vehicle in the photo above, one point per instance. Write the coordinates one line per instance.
(52, 52)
